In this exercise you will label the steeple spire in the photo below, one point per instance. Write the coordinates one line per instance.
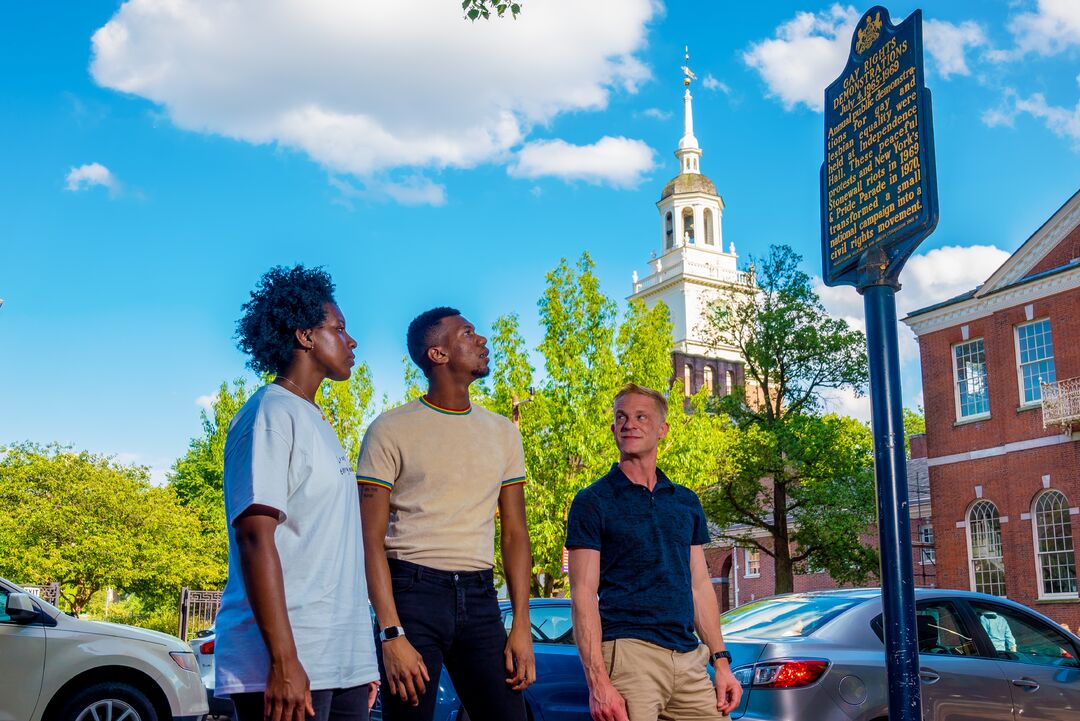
(688, 153)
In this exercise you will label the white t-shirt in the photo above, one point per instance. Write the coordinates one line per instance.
(280, 453)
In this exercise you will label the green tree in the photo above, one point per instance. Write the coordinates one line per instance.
(565, 424)
(88, 523)
(914, 424)
(198, 476)
(796, 485)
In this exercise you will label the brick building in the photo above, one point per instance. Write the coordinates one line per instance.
(1001, 388)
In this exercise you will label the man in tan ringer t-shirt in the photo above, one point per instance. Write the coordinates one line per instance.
(433, 472)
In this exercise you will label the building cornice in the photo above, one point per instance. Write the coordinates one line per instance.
(982, 306)
(1035, 248)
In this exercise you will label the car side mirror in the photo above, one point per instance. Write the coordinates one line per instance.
(20, 608)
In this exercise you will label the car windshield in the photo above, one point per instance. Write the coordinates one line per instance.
(785, 616)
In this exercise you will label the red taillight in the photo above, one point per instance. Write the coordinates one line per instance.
(207, 647)
(792, 673)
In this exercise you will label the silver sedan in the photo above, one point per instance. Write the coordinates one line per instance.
(819, 655)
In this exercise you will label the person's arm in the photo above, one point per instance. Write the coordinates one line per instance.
(405, 669)
(605, 702)
(517, 563)
(707, 621)
(288, 693)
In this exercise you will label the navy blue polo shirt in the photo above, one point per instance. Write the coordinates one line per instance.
(644, 538)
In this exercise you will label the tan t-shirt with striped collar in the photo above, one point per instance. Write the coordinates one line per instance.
(444, 470)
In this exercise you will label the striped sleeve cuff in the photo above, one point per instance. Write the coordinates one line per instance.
(513, 481)
(369, 481)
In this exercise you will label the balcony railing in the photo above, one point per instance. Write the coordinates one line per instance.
(1061, 403)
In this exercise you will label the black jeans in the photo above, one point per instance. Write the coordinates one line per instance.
(453, 618)
(338, 704)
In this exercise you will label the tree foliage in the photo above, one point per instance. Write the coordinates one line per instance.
(88, 523)
(484, 9)
(198, 476)
(914, 424)
(565, 420)
(795, 484)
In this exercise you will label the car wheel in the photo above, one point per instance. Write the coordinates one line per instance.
(108, 702)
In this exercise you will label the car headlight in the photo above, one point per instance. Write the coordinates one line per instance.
(185, 660)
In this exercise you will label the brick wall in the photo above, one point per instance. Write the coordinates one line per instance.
(1010, 480)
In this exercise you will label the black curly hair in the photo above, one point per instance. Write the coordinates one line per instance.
(418, 339)
(284, 300)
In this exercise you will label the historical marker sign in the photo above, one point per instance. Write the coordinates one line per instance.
(878, 182)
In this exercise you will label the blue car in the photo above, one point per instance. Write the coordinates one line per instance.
(560, 692)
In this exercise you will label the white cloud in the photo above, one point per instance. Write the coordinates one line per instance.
(657, 113)
(809, 51)
(1053, 28)
(87, 176)
(927, 278)
(620, 162)
(711, 82)
(363, 88)
(413, 190)
(206, 402)
(948, 44)
(1062, 121)
(846, 403)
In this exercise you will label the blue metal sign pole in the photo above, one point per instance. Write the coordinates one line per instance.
(879, 201)
(894, 521)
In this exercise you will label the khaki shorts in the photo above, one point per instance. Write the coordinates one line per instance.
(659, 684)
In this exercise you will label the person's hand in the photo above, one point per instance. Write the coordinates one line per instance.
(606, 703)
(520, 661)
(372, 694)
(728, 689)
(405, 670)
(288, 693)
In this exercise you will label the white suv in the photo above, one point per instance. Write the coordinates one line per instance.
(57, 668)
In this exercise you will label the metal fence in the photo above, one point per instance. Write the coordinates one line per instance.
(198, 611)
(49, 592)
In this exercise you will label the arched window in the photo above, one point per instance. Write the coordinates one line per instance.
(709, 379)
(669, 228)
(730, 381)
(1055, 561)
(708, 227)
(688, 225)
(688, 380)
(984, 549)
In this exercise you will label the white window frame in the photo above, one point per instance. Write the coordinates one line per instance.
(1020, 366)
(1043, 595)
(928, 556)
(756, 561)
(956, 381)
(971, 547)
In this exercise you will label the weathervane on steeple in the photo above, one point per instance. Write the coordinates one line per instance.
(688, 74)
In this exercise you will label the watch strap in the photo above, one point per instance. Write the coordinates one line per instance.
(391, 632)
(726, 655)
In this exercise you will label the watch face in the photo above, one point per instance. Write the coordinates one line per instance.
(391, 632)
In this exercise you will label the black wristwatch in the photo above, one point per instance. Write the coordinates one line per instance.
(391, 632)
(726, 655)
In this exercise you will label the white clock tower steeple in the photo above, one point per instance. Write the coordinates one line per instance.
(692, 265)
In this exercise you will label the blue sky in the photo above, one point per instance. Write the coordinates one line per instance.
(159, 156)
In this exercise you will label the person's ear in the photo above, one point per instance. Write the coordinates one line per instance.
(437, 355)
(663, 430)
(303, 339)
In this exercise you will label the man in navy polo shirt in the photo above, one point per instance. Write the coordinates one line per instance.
(640, 584)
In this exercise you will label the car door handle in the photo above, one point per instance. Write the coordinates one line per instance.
(928, 676)
(1028, 684)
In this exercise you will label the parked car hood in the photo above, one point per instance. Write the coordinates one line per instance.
(118, 630)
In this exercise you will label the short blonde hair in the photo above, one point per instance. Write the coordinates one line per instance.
(635, 389)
